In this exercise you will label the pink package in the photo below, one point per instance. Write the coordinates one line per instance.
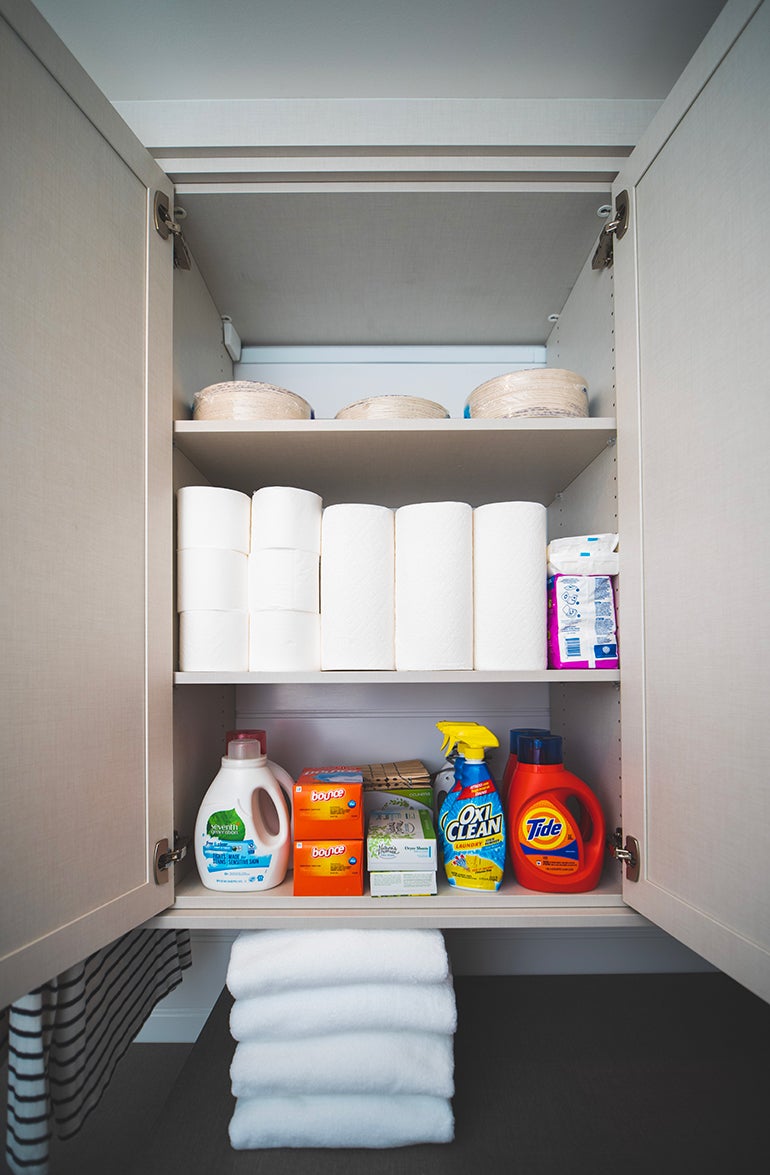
(582, 627)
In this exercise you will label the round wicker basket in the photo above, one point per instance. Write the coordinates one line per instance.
(392, 408)
(539, 391)
(246, 400)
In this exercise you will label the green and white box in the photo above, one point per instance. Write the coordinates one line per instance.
(401, 841)
(393, 884)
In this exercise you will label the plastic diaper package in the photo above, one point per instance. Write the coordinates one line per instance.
(582, 629)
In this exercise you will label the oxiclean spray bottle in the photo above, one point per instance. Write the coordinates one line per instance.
(471, 825)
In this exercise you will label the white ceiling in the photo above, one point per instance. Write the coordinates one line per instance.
(151, 49)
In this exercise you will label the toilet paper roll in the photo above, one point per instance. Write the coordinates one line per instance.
(284, 641)
(434, 586)
(357, 590)
(283, 579)
(208, 516)
(282, 516)
(510, 601)
(214, 641)
(210, 580)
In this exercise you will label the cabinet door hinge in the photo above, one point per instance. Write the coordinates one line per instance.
(614, 230)
(166, 226)
(627, 854)
(164, 856)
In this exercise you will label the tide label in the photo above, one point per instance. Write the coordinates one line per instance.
(548, 838)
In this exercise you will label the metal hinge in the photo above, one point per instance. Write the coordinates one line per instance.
(164, 856)
(627, 854)
(614, 230)
(166, 226)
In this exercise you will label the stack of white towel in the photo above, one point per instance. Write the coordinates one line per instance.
(345, 1038)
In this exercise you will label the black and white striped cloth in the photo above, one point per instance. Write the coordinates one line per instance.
(66, 1038)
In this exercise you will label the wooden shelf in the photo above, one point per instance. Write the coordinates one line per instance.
(386, 677)
(511, 906)
(396, 462)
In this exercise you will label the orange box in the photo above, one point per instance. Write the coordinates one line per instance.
(328, 804)
(328, 868)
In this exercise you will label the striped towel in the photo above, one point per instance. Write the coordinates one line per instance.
(66, 1038)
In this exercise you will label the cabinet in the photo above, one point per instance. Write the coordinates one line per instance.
(89, 714)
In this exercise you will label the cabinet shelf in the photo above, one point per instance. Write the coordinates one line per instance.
(396, 462)
(404, 677)
(511, 906)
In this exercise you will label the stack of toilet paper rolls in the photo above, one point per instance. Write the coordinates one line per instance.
(428, 586)
(283, 580)
(212, 578)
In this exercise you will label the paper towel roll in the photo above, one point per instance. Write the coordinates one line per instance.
(214, 641)
(282, 516)
(284, 641)
(212, 580)
(434, 586)
(509, 579)
(357, 591)
(285, 579)
(208, 516)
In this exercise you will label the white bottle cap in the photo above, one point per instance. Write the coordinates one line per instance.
(245, 748)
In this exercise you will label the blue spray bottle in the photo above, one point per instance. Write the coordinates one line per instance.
(471, 825)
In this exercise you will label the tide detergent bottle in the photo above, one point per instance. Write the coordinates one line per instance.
(471, 825)
(555, 823)
(242, 832)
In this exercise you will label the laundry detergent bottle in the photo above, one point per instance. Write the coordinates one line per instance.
(555, 823)
(471, 825)
(242, 832)
(513, 758)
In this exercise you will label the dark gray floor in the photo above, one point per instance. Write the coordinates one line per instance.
(575, 1074)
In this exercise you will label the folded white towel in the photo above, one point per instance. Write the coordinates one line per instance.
(318, 1011)
(262, 961)
(357, 1120)
(349, 1062)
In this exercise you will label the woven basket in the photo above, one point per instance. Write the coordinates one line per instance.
(245, 400)
(392, 408)
(540, 391)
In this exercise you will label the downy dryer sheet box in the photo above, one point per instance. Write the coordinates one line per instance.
(402, 885)
(393, 786)
(328, 868)
(328, 803)
(401, 841)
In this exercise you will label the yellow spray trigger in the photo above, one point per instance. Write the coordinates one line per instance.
(471, 738)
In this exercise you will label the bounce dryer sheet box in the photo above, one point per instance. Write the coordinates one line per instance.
(328, 802)
(581, 622)
(393, 884)
(401, 841)
(328, 868)
(393, 786)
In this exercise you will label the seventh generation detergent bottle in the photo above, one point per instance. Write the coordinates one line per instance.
(471, 826)
(242, 833)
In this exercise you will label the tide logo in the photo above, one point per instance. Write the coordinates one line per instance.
(542, 827)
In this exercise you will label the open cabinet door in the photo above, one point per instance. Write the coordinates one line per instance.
(692, 291)
(87, 609)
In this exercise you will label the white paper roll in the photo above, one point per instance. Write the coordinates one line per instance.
(434, 586)
(284, 641)
(283, 579)
(282, 516)
(214, 641)
(357, 590)
(208, 516)
(210, 580)
(510, 601)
